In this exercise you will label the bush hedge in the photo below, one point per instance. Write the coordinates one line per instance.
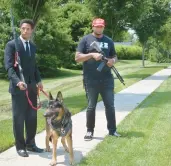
(129, 52)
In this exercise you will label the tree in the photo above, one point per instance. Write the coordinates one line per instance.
(29, 9)
(152, 18)
(62, 29)
(5, 30)
(117, 14)
(160, 43)
(163, 36)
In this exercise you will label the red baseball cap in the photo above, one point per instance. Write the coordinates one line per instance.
(98, 22)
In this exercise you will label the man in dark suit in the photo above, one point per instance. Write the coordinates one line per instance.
(21, 110)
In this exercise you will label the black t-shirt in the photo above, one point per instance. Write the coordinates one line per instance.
(90, 66)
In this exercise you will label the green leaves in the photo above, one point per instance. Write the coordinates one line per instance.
(29, 9)
(58, 32)
(151, 19)
(61, 23)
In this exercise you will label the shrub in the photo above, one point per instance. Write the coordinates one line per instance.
(47, 64)
(128, 52)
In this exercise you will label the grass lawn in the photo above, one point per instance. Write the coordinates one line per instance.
(64, 76)
(146, 135)
(74, 96)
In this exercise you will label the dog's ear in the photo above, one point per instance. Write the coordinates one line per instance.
(50, 96)
(59, 97)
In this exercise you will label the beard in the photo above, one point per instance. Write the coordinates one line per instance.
(98, 33)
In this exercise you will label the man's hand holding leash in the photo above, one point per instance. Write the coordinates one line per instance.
(40, 86)
(22, 85)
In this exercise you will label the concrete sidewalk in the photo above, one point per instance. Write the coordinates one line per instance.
(125, 102)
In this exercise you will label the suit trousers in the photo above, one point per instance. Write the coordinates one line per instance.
(23, 114)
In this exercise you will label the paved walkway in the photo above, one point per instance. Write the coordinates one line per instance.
(125, 102)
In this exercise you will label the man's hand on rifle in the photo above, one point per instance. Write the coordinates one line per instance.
(97, 56)
(22, 85)
(111, 61)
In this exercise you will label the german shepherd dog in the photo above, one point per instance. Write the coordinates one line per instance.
(58, 124)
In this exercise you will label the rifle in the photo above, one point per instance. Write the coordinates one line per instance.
(17, 57)
(104, 60)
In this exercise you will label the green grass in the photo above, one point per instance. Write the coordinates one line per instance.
(146, 135)
(73, 92)
(63, 76)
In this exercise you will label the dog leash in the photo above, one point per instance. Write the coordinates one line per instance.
(30, 102)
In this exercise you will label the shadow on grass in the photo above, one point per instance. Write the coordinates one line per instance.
(125, 62)
(144, 76)
(155, 100)
(162, 66)
(132, 134)
(67, 73)
(134, 75)
(3, 74)
(62, 73)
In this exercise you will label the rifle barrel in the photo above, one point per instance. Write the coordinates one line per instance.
(17, 49)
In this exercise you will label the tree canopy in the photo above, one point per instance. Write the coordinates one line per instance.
(61, 23)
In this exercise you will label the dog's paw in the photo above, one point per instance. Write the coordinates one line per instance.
(71, 162)
(53, 162)
(67, 150)
(48, 149)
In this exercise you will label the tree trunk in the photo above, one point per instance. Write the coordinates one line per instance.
(143, 56)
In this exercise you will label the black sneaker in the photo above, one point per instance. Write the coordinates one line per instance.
(88, 136)
(115, 134)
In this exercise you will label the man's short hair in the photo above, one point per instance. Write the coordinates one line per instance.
(28, 21)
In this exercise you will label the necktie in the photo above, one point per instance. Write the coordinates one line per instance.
(27, 49)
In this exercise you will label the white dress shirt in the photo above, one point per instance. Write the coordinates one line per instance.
(24, 43)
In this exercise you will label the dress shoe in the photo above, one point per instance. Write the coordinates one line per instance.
(22, 153)
(34, 148)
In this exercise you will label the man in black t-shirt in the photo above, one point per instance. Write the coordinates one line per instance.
(96, 82)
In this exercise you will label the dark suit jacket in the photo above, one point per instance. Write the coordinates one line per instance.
(28, 64)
